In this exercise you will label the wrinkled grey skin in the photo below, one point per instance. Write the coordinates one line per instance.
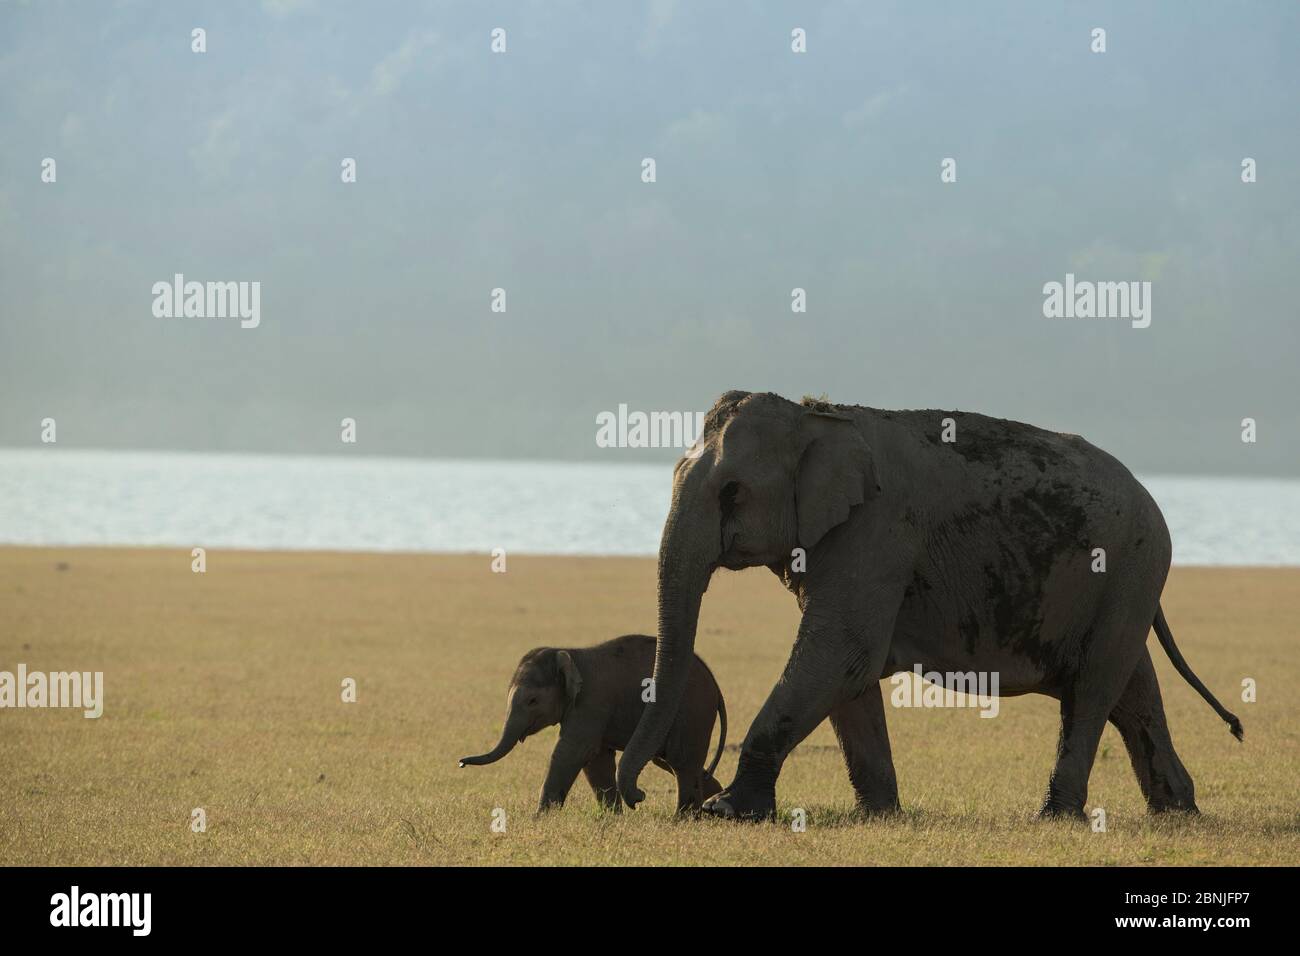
(594, 694)
(974, 555)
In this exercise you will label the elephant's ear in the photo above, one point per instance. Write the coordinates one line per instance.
(835, 472)
(569, 673)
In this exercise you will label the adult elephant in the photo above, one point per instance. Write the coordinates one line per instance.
(951, 540)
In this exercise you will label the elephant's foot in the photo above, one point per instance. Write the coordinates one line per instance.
(739, 804)
(1172, 790)
(547, 805)
(1175, 807)
(1053, 810)
(877, 807)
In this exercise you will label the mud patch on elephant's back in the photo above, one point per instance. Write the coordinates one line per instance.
(1029, 543)
(1003, 445)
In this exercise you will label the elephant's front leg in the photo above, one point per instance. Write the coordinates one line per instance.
(830, 662)
(840, 652)
(567, 761)
(809, 687)
(860, 726)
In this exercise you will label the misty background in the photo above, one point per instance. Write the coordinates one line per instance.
(775, 170)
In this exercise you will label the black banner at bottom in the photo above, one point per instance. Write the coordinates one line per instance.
(332, 905)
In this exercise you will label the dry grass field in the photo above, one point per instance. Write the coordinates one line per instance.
(223, 692)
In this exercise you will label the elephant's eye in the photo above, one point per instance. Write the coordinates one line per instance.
(532, 700)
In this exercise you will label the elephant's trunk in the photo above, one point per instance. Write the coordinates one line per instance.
(511, 735)
(688, 553)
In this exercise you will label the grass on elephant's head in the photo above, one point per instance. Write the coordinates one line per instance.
(819, 403)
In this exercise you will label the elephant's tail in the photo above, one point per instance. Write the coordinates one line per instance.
(722, 732)
(722, 717)
(1175, 656)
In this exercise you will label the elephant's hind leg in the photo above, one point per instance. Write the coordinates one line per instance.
(1140, 718)
(688, 785)
(860, 726)
(1067, 790)
(1086, 705)
(601, 774)
(689, 790)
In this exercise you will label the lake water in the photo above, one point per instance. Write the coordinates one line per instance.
(52, 496)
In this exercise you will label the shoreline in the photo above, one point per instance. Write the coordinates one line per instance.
(485, 555)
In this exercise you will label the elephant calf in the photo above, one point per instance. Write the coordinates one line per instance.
(594, 694)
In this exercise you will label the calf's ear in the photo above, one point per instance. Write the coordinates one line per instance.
(569, 674)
